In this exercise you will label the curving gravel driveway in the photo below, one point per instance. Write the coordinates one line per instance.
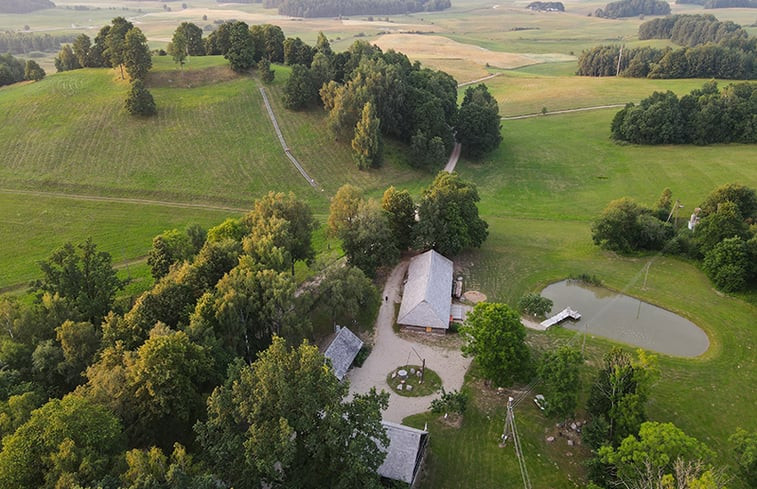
(391, 351)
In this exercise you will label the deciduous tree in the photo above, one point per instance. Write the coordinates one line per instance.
(33, 71)
(299, 89)
(728, 264)
(448, 216)
(177, 48)
(618, 397)
(299, 434)
(369, 242)
(344, 291)
(136, 58)
(745, 448)
(140, 101)
(560, 380)
(400, 210)
(241, 51)
(169, 247)
(478, 123)
(367, 145)
(344, 208)
(656, 449)
(72, 441)
(83, 277)
(115, 42)
(495, 336)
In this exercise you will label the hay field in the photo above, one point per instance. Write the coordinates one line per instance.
(440, 52)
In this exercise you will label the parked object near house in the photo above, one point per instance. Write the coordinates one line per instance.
(343, 350)
(427, 297)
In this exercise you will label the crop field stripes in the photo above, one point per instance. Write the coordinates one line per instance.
(284, 146)
(122, 200)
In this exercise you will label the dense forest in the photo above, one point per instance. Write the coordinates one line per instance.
(691, 30)
(24, 6)
(704, 116)
(21, 42)
(336, 8)
(730, 60)
(547, 6)
(633, 8)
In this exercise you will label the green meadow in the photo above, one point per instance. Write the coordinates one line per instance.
(73, 164)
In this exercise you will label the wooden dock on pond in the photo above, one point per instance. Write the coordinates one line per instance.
(560, 316)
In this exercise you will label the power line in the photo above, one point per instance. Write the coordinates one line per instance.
(510, 432)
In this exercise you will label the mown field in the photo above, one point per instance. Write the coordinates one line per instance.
(212, 144)
(539, 193)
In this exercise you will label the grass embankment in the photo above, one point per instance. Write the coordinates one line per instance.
(539, 193)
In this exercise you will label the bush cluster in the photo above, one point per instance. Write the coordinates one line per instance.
(704, 116)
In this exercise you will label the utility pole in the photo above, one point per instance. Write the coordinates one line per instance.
(510, 432)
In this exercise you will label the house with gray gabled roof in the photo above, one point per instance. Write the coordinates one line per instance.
(342, 351)
(427, 297)
(404, 455)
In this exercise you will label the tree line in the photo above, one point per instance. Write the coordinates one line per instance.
(13, 70)
(334, 8)
(709, 4)
(121, 45)
(24, 42)
(369, 94)
(691, 30)
(733, 59)
(633, 8)
(547, 6)
(24, 6)
(96, 392)
(373, 234)
(704, 116)
(723, 239)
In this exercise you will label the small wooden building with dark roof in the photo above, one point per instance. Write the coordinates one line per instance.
(405, 453)
(342, 351)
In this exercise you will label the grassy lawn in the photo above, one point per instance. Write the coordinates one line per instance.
(539, 198)
(210, 144)
(431, 381)
(35, 225)
(527, 90)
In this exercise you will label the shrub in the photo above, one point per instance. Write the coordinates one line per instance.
(454, 401)
(362, 355)
(535, 305)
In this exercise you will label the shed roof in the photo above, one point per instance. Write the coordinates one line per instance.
(404, 453)
(342, 351)
(427, 297)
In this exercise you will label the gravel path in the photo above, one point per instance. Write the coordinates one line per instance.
(390, 351)
(452, 162)
(566, 111)
(284, 146)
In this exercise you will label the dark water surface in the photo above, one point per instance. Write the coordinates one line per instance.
(620, 317)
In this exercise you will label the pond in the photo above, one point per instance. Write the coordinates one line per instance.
(620, 317)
